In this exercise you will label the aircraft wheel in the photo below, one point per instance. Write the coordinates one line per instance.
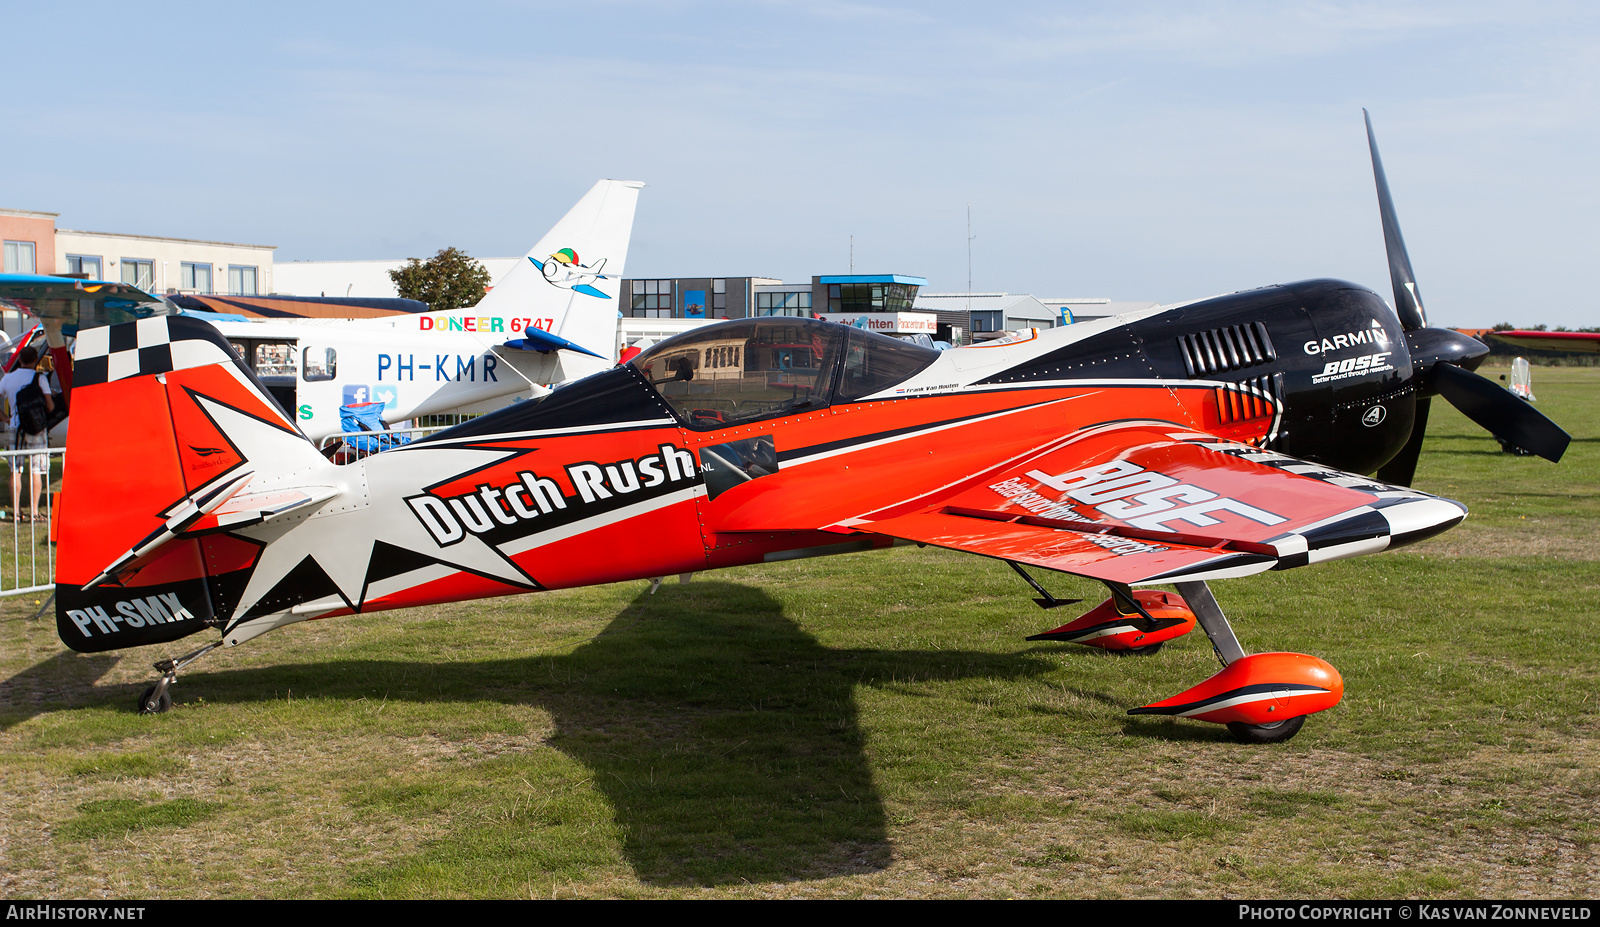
(150, 705)
(1148, 650)
(1274, 733)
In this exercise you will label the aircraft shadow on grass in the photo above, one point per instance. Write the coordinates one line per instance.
(65, 680)
(725, 737)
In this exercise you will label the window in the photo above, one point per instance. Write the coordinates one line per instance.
(19, 257)
(874, 362)
(652, 299)
(84, 264)
(196, 277)
(744, 371)
(719, 295)
(986, 321)
(796, 304)
(141, 274)
(241, 281)
(319, 364)
(871, 297)
(274, 359)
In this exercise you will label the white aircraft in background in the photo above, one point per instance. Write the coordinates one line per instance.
(537, 327)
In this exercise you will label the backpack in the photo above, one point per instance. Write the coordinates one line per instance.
(32, 416)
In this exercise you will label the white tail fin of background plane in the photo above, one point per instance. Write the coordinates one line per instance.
(573, 276)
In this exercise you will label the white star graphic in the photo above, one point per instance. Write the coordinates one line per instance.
(339, 535)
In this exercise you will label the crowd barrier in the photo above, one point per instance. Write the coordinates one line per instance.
(27, 546)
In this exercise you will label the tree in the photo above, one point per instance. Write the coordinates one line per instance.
(448, 280)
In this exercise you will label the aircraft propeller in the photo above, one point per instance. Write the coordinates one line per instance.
(1443, 360)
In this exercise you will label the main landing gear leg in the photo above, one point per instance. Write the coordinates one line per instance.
(157, 698)
(1263, 698)
(1212, 621)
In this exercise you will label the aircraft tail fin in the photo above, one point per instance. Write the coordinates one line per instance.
(172, 441)
(570, 283)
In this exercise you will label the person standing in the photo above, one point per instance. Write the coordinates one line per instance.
(30, 370)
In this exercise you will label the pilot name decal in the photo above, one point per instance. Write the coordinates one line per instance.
(493, 510)
(1353, 367)
(136, 613)
(1374, 335)
(1131, 494)
(939, 388)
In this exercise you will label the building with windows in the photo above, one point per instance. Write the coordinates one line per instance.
(983, 313)
(167, 265)
(30, 241)
(652, 308)
(33, 245)
(758, 297)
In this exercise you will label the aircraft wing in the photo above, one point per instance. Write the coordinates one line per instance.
(1149, 502)
(77, 303)
(1572, 342)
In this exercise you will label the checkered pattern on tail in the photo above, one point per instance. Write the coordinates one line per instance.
(146, 347)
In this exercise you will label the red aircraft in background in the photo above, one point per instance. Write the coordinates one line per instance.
(1174, 446)
(1573, 342)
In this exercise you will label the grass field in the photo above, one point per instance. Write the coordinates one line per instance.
(864, 726)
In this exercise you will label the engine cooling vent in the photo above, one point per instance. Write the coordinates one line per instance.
(1222, 349)
(1257, 397)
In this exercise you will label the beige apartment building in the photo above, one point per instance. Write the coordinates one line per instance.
(33, 245)
(167, 265)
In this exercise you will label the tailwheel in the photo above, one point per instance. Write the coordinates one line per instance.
(155, 700)
(1275, 733)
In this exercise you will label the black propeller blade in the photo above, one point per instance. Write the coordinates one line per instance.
(1402, 468)
(1442, 361)
(1500, 413)
(1407, 298)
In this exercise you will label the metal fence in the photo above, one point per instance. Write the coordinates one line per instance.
(27, 543)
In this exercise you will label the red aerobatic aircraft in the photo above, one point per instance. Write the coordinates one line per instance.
(1174, 446)
(1575, 342)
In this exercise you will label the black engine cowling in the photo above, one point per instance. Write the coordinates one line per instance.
(1342, 368)
(1331, 356)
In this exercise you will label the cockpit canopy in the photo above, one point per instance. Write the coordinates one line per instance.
(744, 371)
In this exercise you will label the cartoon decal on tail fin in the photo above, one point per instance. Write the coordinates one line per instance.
(564, 270)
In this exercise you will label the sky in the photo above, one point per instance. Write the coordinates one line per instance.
(1136, 151)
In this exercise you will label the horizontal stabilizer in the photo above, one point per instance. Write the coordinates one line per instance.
(247, 509)
(179, 518)
(535, 339)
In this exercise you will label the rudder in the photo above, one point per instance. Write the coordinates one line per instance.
(148, 465)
